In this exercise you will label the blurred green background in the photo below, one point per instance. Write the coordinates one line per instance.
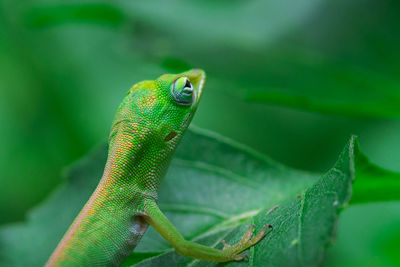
(292, 79)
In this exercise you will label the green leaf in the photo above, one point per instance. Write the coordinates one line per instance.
(222, 23)
(374, 183)
(213, 190)
(368, 235)
(50, 15)
(303, 225)
(328, 63)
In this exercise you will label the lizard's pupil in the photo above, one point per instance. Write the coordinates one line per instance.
(188, 84)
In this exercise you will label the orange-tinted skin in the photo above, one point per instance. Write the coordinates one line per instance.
(147, 128)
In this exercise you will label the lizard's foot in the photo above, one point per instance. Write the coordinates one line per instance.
(248, 240)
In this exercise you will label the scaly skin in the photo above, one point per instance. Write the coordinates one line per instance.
(147, 128)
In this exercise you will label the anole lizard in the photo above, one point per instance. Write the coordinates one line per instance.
(146, 130)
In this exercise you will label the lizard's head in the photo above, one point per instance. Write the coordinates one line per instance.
(179, 96)
(163, 107)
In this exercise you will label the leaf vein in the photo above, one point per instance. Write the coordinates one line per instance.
(219, 171)
(194, 209)
(299, 229)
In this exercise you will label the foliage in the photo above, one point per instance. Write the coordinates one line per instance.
(65, 66)
(213, 190)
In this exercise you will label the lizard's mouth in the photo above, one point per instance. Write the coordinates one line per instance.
(197, 77)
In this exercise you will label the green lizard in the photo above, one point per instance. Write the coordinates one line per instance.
(147, 128)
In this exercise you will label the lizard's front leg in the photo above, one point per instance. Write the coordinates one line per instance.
(157, 219)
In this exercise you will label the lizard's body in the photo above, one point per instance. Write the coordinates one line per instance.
(147, 128)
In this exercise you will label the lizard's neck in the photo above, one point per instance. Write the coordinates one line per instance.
(138, 159)
(110, 224)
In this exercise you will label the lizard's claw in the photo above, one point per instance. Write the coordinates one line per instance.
(226, 245)
(240, 257)
(247, 240)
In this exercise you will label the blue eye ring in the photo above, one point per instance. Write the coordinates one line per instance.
(182, 91)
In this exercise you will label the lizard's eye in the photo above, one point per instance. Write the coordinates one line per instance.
(182, 91)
